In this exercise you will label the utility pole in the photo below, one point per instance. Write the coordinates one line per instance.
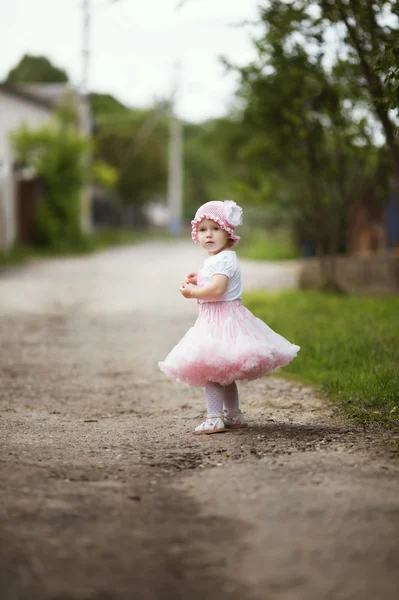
(86, 208)
(175, 165)
(85, 46)
(85, 116)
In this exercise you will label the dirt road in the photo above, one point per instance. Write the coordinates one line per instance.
(107, 495)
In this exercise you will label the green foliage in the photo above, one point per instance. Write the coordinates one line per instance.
(17, 255)
(130, 152)
(202, 169)
(57, 154)
(298, 134)
(141, 171)
(372, 38)
(349, 347)
(302, 145)
(386, 65)
(105, 175)
(306, 147)
(212, 163)
(105, 104)
(36, 69)
(111, 115)
(135, 144)
(67, 110)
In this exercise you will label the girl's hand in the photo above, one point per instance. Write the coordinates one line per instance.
(192, 278)
(185, 290)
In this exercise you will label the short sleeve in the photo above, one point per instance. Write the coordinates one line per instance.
(222, 265)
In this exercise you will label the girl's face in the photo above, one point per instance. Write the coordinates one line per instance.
(212, 237)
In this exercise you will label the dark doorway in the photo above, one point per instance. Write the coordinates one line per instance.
(29, 196)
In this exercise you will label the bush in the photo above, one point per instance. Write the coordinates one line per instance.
(57, 153)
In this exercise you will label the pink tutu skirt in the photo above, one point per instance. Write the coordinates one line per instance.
(227, 343)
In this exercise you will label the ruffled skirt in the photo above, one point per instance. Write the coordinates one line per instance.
(227, 343)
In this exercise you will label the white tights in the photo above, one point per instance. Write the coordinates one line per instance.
(219, 397)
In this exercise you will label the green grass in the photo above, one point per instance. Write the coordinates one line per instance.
(349, 347)
(259, 244)
(16, 256)
(90, 243)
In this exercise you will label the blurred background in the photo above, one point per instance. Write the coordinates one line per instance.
(118, 118)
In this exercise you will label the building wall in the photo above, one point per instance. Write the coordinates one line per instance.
(7, 208)
(14, 112)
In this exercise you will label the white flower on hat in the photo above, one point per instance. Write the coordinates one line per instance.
(233, 213)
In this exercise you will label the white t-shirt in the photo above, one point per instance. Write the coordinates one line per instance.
(224, 263)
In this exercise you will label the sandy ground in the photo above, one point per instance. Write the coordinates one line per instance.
(107, 495)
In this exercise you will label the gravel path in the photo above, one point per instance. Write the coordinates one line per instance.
(107, 495)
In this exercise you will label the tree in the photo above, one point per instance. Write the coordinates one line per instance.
(211, 168)
(305, 147)
(142, 169)
(372, 35)
(36, 69)
(106, 104)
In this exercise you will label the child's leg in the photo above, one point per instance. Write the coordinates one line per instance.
(232, 415)
(214, 393)
(231, 401)
(214, 398)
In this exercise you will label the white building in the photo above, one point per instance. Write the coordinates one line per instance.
(33, 105)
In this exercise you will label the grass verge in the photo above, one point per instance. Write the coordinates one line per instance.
(260, 244)
(349, 347)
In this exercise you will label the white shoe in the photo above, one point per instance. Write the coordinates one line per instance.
(212, 424)
(234, 419)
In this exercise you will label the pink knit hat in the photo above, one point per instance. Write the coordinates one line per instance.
(226, 214)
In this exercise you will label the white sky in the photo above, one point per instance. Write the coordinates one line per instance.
(134, 45)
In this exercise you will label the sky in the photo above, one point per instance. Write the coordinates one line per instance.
(135, 46)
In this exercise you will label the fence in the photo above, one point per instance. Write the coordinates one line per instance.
(374, 275)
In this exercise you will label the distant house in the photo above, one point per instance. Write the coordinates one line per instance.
(33, 105)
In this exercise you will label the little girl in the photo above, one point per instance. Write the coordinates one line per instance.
(227, 342)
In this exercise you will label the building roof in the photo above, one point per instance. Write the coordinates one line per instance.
(50, 92)
(27, 95)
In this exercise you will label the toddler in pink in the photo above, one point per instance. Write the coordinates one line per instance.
(227, 342)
